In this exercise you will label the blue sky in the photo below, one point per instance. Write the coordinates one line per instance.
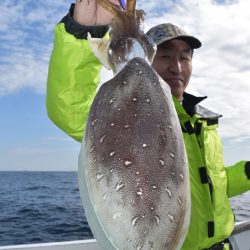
(30, 141)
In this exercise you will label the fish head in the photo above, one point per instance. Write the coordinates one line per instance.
(127, 37)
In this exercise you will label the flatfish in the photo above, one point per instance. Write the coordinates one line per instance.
(133, 170)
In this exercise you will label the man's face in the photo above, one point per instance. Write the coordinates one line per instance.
(173, 62)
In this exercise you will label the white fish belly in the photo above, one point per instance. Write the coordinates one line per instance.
(133, 171)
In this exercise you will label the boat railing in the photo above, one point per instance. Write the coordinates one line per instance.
(66, 245)
(240, 240)
(241, 227)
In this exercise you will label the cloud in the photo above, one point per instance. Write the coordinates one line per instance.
(57, 139)
(48, 145)
(221, 66)
(26, 34)
(39, 159)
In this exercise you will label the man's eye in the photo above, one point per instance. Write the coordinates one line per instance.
(186, 58)
(165, 56)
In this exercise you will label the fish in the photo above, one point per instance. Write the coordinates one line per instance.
(133, 170)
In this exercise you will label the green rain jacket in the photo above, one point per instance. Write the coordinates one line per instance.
(74, 74)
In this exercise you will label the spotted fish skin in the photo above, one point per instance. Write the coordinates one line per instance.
(134, 164)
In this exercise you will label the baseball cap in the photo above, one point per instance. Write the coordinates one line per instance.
(168, 31)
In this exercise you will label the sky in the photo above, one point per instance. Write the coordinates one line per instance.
(221, 70)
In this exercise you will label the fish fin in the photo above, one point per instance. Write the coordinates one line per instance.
(100, 46)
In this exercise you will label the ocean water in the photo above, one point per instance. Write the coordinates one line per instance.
(38, 207)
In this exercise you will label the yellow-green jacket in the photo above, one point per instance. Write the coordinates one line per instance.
(74, 74)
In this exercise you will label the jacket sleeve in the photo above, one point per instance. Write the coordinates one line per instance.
(238, 177)
(73, 76)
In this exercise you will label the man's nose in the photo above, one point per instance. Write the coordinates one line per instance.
(175, 66)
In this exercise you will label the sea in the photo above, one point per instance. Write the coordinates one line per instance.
(39, 207)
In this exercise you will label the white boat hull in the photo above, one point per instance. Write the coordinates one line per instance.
(66, 245)
(240, 241)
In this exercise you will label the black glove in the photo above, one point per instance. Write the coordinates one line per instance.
(247, 169)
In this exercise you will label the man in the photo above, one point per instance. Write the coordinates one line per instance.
(72, 81)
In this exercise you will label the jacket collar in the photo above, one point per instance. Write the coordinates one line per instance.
(190, 104)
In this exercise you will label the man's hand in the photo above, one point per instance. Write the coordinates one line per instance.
(89, 13)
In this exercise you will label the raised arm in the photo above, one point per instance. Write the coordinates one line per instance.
(74, 71)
